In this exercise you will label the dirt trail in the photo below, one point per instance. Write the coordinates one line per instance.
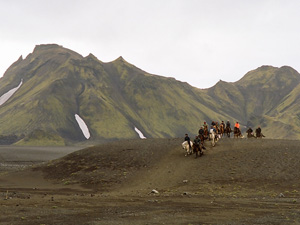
(239, 181)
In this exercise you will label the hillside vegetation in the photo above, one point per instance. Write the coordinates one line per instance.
(116, 97)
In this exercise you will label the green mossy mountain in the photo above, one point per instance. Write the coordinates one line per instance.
(115, 97)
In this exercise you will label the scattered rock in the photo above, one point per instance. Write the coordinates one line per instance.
(154, 191)
(186, 193)
(281, 195)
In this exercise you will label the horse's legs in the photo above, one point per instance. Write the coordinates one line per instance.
(190, 148)
(197, 150)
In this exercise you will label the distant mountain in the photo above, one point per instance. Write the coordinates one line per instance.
(267, 96)
(55, 96)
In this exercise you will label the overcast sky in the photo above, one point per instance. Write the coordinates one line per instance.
(195, 41)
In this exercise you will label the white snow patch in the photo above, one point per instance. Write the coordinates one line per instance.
(139, 133)
(83, 126)
(8, 94)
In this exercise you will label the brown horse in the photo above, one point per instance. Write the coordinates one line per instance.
(205, 132)
(217, 128)
(250, 133)
(197, 147)
(237, 133)
(222, 129)
(228, 131)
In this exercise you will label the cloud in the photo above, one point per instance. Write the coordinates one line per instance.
(199, 42)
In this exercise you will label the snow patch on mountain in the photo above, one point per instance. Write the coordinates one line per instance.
(84, 128)
(139, 133)
(8, 94)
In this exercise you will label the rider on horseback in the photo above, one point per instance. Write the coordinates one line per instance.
(222, 128)
(205, 125)
(259, 133)
(205, 128)
(237, 127)
(187, 138)
(249, 132)
(228, 124)
(201, 135)
(201, 131)
(228, 128)
(197, 146)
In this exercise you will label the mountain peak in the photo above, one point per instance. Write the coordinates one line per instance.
(54, 50)
(120, 58)
(92, 57)
(267, 74)
(47, 47)
(259, 75)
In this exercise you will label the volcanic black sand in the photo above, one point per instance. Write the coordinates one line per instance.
(239, 181)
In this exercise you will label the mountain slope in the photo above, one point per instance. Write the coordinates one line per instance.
(112, 98)
(259, 96)
(53, 84)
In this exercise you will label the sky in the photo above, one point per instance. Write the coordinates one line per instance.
(195, 41)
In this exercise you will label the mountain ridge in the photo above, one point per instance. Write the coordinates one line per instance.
(114, 98)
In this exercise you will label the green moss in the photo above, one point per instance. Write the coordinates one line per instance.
(41, 138)
(113, 98)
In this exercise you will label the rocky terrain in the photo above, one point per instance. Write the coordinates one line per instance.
(239, 181)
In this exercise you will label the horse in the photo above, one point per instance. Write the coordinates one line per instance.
(260, 135)
(197, 148)
(198, 145)
(186, 147)
(222, 130)
(205, 132)
(228, 131)
(213, 137)
(250, 133)
(237, 133)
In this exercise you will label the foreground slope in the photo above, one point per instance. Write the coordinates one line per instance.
(239, 181)
(160, 163)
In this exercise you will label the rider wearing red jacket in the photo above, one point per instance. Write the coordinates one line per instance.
(237, 126)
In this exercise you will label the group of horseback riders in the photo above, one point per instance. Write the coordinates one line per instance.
(218, 130)
(258, 133)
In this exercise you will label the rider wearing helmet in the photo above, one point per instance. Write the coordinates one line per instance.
(228, 124)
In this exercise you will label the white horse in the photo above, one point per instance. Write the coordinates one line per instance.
(212, 137)
(186, 147)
